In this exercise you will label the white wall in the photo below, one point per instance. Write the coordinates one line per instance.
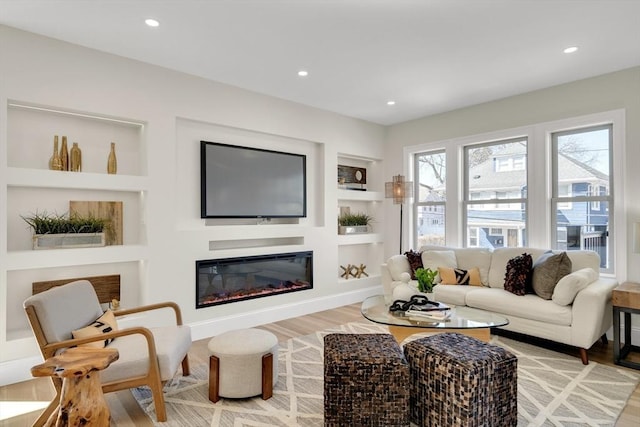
(620, 90)
(178, 110)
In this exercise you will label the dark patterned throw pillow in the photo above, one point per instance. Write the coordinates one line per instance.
(415, 261)
(518, 274)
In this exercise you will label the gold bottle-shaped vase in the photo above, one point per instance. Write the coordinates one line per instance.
(55, 163)
(112, 162)
(75, 158)
(64, 155)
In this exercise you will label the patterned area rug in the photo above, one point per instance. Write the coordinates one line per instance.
(553, 389)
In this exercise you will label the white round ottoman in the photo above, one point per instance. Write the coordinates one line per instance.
(243, 363)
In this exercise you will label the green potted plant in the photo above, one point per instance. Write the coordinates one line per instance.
(425, 277)
(55, 231)
(352, 223)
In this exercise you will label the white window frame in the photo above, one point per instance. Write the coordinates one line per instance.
(538, 171)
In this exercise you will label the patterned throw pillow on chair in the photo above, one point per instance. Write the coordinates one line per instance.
(458, 276)
(102, 325)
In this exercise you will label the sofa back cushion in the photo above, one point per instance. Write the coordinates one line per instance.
(501, 257)
(469, 258)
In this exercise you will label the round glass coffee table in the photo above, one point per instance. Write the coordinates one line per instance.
(464, 320)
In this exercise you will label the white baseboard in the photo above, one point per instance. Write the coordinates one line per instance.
(14, 371)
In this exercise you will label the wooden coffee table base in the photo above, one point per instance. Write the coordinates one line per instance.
(400, 333)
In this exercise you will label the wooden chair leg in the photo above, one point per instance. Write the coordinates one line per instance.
(214, 379)
(267, 376)
(185, 366)
(158, 400)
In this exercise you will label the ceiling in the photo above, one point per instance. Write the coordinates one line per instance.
(429, 56)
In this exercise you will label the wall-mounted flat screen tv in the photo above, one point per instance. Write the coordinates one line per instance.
(244, 182)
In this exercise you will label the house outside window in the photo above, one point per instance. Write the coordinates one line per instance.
(495, 193)
(582, 158)
(430, 196)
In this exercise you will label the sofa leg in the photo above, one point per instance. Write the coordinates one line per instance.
(583, 356)
(605, 340)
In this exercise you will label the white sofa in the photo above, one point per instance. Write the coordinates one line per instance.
(580, 323)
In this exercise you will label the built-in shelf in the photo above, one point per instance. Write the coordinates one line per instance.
(365, 196)
(359, 239)
(22, 260)
(42, 178)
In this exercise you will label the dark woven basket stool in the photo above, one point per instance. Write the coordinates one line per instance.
(366, 381)
(458, 380)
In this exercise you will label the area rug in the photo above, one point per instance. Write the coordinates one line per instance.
(553, 389)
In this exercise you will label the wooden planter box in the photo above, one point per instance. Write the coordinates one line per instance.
(353, 229)
(70, 240)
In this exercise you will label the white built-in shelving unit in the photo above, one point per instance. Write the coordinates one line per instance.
(30, 187)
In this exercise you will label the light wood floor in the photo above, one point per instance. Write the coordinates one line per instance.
(126, 412)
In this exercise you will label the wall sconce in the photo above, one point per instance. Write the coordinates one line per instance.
(399, 190)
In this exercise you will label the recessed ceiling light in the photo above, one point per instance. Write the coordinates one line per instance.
(571, 49)
(151, 22)
(391, 102)
(303, 73)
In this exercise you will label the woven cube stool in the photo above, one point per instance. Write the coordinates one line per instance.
(243, 363)
(458, 380)
(366, 381)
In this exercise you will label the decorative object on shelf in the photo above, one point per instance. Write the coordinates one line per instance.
(425, 277)
(75, 159)
(349, 271)
(355, 223)
(352, 178)
(58, 231)
(112, 162)
(107, 287)
(55, 163)
(399, 190)
(110, 211)
(64, 155)
(360, 271)
(114, 304)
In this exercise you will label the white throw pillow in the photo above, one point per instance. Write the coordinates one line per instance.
(568, 287)
(435, 259)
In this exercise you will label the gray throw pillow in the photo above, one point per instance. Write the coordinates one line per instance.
(547, 271)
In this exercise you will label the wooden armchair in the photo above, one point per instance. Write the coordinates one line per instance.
(148, 356)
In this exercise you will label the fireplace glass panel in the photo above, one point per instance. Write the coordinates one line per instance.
(221, 281)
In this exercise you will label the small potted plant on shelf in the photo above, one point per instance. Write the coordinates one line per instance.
(52, 231)
(353, 223)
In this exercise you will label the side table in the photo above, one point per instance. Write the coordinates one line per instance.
(80, 401)
(626, 299)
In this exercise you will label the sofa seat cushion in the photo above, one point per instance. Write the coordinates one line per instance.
(172, 343)
(528, 306)
(455, 295)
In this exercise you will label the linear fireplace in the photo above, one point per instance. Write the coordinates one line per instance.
(225, 280)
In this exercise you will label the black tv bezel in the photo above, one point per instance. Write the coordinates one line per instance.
(203, 183)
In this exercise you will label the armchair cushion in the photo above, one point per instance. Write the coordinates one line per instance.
(106, 323)
(172, 343)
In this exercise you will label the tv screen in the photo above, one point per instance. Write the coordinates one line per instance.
(243, 182)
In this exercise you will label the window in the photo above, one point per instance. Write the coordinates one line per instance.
(495, 195)
(545, 185)
(430, 196)
(582, 160)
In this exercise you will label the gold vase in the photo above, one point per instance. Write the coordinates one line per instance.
(64, 155)
(112, 162)
(75, 158)
(55, 163)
